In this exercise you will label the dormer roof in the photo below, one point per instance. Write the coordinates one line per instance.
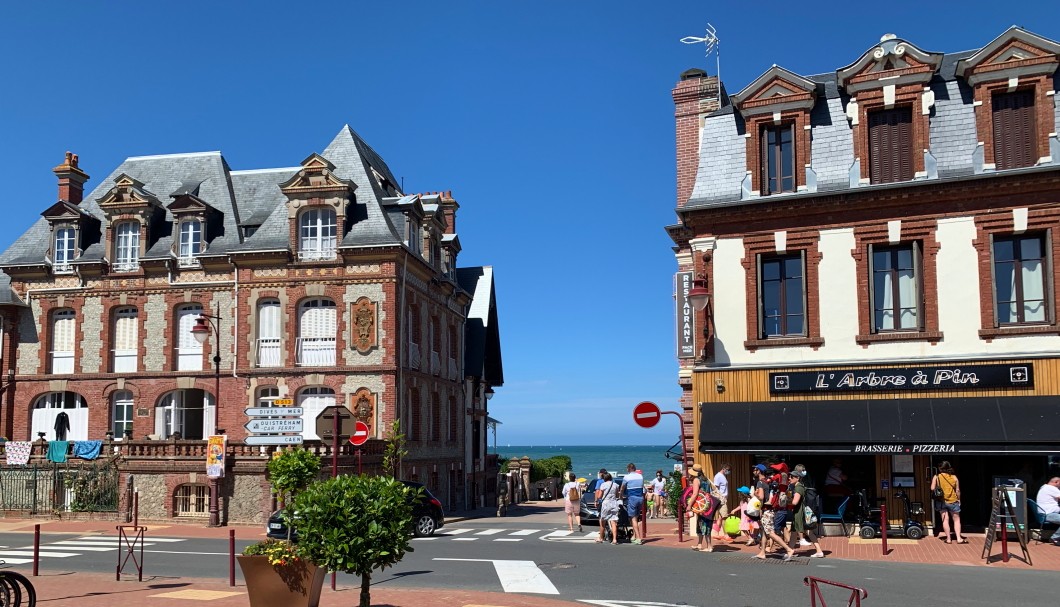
(892, 62)
(1016, 52)
(776, 90)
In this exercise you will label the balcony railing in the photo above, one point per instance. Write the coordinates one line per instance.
(316, 255)
(126, 266)
(269, 352)
(187, 262)
(316, 351)
(62, 268)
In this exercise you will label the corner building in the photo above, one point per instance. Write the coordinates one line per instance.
(880, 247)
(328, 286)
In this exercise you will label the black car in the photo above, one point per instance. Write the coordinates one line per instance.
(427, 516)
(588, 510)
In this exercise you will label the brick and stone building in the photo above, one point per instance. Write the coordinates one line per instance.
(323, 283)
(879, 244)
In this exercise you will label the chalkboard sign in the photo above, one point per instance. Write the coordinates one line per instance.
(1002, 518)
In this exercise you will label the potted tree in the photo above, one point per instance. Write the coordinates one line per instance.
(276, 572)
(355, 524)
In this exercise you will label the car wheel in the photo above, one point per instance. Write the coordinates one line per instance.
(425, 526)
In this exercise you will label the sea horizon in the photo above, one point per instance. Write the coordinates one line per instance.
(587, 460)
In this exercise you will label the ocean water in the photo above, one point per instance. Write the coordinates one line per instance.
(587, 460)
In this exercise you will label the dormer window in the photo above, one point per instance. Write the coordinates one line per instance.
(1015, 138)
(778, 159)
(190, 242)
(65, 250)
(891, 145)
(317, 229)
(413, 235)
(127, 246)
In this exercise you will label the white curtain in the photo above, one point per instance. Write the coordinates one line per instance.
(269, 334)
(126, 340)
(64, 336)
(1033, 291)
(313, 401)
(48, 408)
(189, 350)
(316, 330)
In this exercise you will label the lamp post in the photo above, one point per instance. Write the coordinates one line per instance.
(201, 331)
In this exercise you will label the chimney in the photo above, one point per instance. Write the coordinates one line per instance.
(695, 96)
(449, 207)
(71, 179)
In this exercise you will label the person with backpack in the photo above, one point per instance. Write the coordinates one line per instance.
(804, 517)
(766, 491)
(572, 501)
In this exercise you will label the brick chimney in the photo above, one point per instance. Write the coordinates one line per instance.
(449, 207)
(71, 179)
(695, 96)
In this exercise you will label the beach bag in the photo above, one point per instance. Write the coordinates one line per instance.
(732, 526)
(572, 495)
(809, 517)
(753, 509)
(812, 500)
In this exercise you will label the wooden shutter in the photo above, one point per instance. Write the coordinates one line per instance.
(891, 145)
(1014, 126)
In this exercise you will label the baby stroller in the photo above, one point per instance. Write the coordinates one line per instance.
(623, 527)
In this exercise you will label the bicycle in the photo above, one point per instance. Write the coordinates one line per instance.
(14, 587)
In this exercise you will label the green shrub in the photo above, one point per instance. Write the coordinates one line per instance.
(552, 467)
(292, 471)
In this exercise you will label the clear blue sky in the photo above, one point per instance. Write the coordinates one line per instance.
(551, 122)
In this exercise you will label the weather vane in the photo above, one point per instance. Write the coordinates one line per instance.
(712, 44)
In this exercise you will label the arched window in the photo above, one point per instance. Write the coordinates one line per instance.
(269, 353)
(316, 228)
(126, 340)
(190, 412)
(121, 413)
(190, 242)
(189, 350)
(316, 333)
(127, 246)
(64, 340)
(60, 416)
(313, 401)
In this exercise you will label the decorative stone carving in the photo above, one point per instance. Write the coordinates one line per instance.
(364, 335)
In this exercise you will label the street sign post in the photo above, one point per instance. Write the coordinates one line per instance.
(277, 439)
(274, 426)
(646, 414)
(360, 434)
(326, 424)
(274, 411)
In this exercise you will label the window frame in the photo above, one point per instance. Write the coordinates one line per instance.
(119, 426)
(125, 313)
(1007, 145)
(69, 315)
(764, 259)
(1045, 239)
(918, 280)
(190, 241)
(766, 156)
(127, 246)
(313, 234)
(897, 170)
(69, 252)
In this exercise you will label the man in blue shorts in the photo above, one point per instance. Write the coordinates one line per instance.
(633, 490)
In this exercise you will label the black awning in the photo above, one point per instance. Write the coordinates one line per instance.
(994, 424)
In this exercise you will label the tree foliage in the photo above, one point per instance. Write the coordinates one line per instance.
(292, 471)
(394, 451)
(355, 524)
(552, 467)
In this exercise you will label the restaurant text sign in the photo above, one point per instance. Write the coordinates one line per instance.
(959, 377)
(686, 318)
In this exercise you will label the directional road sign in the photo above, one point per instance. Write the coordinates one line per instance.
(274, 411)
(290, 439)
(283, 402)
(259, 426)
(646, 414)
(360, 433)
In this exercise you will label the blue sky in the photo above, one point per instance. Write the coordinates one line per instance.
(551, 122)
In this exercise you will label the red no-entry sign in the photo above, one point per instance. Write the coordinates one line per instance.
(360, 434)
(646, 414)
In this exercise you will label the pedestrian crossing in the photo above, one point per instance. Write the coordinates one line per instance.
(20, 555)
(473, 534)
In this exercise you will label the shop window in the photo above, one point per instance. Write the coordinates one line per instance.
(192, 501)
(317, 231)
(1014, 130)
(121, 413)
(782, 285)
(896, 288)
(1020, 279)
(778, 159)
(891, 145)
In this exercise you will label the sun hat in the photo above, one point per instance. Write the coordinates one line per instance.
(696, 469)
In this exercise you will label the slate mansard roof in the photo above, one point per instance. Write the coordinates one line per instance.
(250, 198)
(953, 139)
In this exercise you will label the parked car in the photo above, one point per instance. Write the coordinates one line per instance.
(588, 510)
(427, 517)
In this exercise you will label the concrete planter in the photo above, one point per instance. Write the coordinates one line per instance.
(293, 585)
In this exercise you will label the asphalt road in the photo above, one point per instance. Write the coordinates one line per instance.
(523, 556)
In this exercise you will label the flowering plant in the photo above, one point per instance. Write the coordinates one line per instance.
(279, 552)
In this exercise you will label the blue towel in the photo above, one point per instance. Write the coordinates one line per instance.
(57, 451)
(87, 449)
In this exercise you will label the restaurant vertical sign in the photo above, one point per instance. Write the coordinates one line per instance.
(686, 317)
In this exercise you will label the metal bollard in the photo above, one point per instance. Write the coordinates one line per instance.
(644, 520)
(883, 527)
(231, 557)
(36, 549)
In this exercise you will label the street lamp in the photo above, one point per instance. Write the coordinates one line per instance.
(201, 331)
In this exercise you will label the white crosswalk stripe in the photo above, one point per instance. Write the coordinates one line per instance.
(490, 532)
(72, 547)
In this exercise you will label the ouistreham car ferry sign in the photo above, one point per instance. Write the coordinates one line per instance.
(961, 377)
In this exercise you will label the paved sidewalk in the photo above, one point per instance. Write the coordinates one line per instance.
(58, 588)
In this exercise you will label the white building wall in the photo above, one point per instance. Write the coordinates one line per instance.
(958, 302)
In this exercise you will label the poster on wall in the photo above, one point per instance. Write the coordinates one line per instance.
(215, 456)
